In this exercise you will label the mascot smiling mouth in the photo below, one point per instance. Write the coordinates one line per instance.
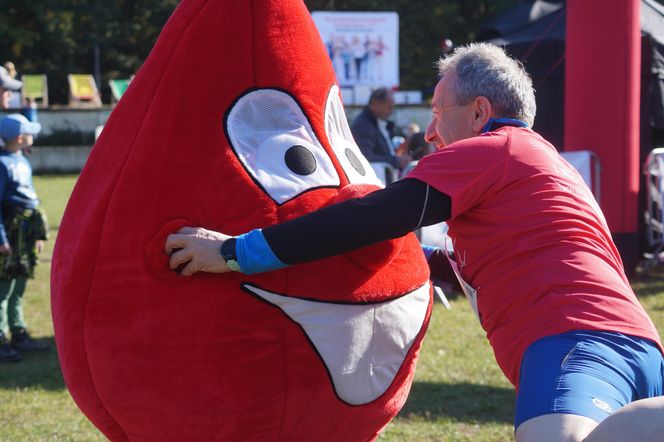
(357, 343)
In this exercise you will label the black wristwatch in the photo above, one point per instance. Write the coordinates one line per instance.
(227, 251)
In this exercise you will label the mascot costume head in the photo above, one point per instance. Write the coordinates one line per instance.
(234, 122)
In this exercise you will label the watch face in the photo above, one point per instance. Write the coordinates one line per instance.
(228, 250)
(228, 253)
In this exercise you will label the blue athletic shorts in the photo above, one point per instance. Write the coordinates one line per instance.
(587, 373)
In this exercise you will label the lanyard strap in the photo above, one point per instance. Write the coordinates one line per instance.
(502, 122)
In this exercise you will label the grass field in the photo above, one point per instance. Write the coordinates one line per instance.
(458, 394)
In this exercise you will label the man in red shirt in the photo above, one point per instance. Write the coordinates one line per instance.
(532, 252)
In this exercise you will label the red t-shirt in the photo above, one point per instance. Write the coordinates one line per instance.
(530, 238)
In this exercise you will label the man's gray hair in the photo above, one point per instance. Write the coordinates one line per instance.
(483, 69)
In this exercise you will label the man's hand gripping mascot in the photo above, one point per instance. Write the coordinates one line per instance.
(233, 123)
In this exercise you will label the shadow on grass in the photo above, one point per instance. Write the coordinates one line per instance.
(649, 283)
(463, 402)
(36, 370)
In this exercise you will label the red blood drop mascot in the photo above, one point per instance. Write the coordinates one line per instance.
(234, 122)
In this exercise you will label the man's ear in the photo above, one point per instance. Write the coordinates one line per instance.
(482, 112)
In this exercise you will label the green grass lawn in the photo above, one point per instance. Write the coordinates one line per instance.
(459, 394)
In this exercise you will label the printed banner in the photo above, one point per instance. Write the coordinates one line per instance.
(363, 46)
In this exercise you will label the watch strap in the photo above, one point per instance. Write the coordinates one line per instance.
(228, 252)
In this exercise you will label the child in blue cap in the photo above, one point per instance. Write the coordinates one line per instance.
(22, 231)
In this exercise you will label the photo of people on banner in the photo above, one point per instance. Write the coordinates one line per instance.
(357, 61)
(363, 46)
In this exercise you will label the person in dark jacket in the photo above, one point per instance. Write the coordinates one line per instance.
(373, 132)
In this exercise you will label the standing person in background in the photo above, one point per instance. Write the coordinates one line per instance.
(30, 110)
(373, 131)
(9, 87)
(15, 100)
(11, 69)
(22, 232)
(532, 250)
(30, 113)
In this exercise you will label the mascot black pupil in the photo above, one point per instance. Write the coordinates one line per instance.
(300, 160)
(355, 161)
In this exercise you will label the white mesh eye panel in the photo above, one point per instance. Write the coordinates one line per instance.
(274, 141)
(355, 165)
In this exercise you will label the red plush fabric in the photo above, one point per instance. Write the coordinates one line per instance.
(149, 355)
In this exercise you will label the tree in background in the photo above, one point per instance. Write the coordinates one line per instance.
(59, 37)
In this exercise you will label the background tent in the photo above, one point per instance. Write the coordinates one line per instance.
(535, 32)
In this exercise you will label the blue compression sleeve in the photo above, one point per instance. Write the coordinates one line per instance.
(428, 250)
(254, 254)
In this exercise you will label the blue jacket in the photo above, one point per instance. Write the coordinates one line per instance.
(16, 186)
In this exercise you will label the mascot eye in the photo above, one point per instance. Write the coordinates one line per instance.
(300, 160)
(273, 140)
(355, 161)
(357, 168)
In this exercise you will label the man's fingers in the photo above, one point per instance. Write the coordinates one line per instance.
(194, 250)
(187, 230)
(188, 270)
(175, 241)
(179, 258)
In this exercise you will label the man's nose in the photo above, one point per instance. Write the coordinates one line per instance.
(430, 134)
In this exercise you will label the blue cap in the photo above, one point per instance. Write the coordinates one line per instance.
(13, 125)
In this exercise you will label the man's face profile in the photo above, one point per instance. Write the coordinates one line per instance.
(382, 109)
